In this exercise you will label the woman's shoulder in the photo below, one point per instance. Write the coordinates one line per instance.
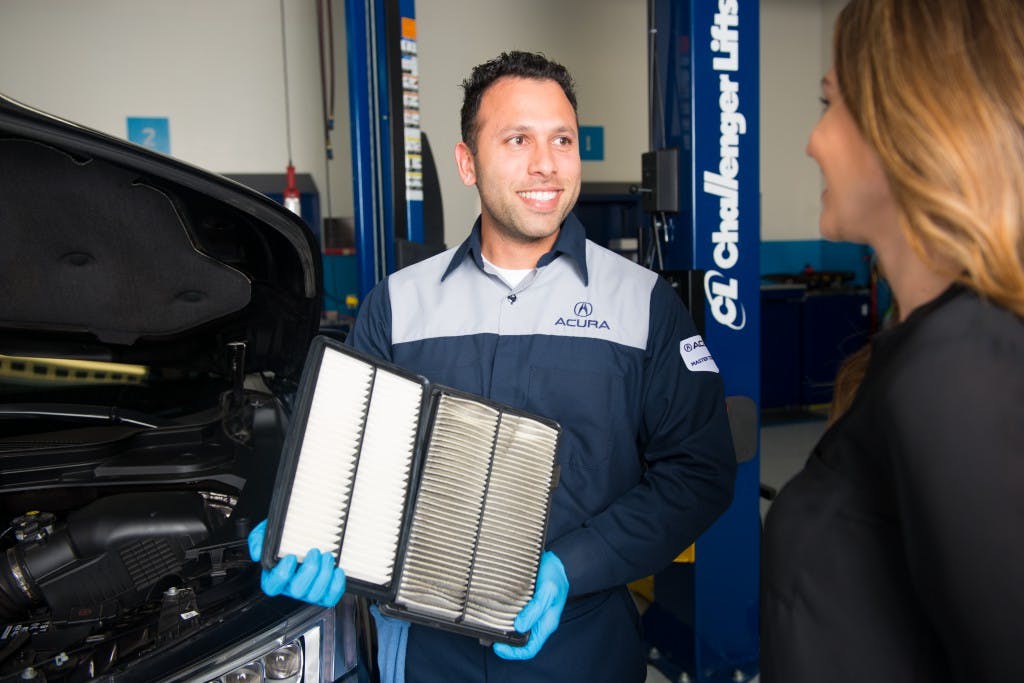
(963, 349)
(967, 327)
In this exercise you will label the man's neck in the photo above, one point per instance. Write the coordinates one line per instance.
(514, 254)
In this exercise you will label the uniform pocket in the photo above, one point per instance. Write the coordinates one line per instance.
(453, 365)
(580, 401)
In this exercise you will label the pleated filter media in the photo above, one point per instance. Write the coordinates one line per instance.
(435, 500)
(353, 466)
(478, 526)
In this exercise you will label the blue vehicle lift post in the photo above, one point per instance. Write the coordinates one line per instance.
(704, 104)
(383, 101)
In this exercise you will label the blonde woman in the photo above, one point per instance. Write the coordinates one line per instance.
(897, 553)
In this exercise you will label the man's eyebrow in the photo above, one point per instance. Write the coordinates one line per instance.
(526, 128)
(520, 128)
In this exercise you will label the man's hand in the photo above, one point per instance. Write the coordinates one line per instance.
(318, 579)
(541, 615)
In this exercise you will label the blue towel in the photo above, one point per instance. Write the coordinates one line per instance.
(392, 636)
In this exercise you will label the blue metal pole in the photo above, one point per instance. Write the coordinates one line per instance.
(359, 46)
(385, 156)
(372, 57)
(411, 121)
(708, 80)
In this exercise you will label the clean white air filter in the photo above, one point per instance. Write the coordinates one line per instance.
(352, 449)
(327, 460)
(435, 500)
(374, 522)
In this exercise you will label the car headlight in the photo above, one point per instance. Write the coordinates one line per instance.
(250, 673)
(309, 644)
(294, 662)
(283, 664)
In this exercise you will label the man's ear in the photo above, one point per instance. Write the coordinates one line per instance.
(467, 165)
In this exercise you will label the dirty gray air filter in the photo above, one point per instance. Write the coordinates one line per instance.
(435, 500)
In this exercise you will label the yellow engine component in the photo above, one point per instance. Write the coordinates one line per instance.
(26, 370)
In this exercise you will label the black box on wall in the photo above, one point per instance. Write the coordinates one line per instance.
(659, 176)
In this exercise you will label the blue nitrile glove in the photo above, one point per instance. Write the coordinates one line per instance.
(318, 580)
(541, 615)
(392, 637)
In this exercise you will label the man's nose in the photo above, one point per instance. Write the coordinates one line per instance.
(542, 161)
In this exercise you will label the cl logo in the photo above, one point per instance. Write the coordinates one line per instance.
(583, 309)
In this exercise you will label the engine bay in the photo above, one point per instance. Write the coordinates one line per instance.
(93, 577)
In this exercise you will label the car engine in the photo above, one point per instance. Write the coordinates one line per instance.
(113, 579)
(146, 549)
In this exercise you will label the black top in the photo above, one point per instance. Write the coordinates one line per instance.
(897, 553)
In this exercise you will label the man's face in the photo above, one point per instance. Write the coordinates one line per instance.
(527, 161)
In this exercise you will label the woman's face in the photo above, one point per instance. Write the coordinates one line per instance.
(857, 204)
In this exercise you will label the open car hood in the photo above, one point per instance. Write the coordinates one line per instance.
(111, 251)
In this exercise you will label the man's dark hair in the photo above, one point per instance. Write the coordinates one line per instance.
(516, 64)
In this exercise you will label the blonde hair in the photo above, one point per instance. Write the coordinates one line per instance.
(937, 88)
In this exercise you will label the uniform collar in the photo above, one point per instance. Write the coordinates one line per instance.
(571, 241)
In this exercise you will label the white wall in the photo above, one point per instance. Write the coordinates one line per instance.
(214, 68)
(792, 49)
(796, 51)
(829, 13)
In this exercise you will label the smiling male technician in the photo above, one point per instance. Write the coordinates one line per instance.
(530, 313)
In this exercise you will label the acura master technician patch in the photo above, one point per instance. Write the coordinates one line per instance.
(696, 355)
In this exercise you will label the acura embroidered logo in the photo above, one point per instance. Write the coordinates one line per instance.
(583, 309)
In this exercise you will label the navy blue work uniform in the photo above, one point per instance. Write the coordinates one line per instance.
(606, 348)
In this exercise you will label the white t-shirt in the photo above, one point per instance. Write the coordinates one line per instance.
(511, 276)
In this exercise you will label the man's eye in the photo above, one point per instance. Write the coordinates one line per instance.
(517, 140)
(563, 140)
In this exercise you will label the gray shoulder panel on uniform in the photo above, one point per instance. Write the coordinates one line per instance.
(614, 307)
